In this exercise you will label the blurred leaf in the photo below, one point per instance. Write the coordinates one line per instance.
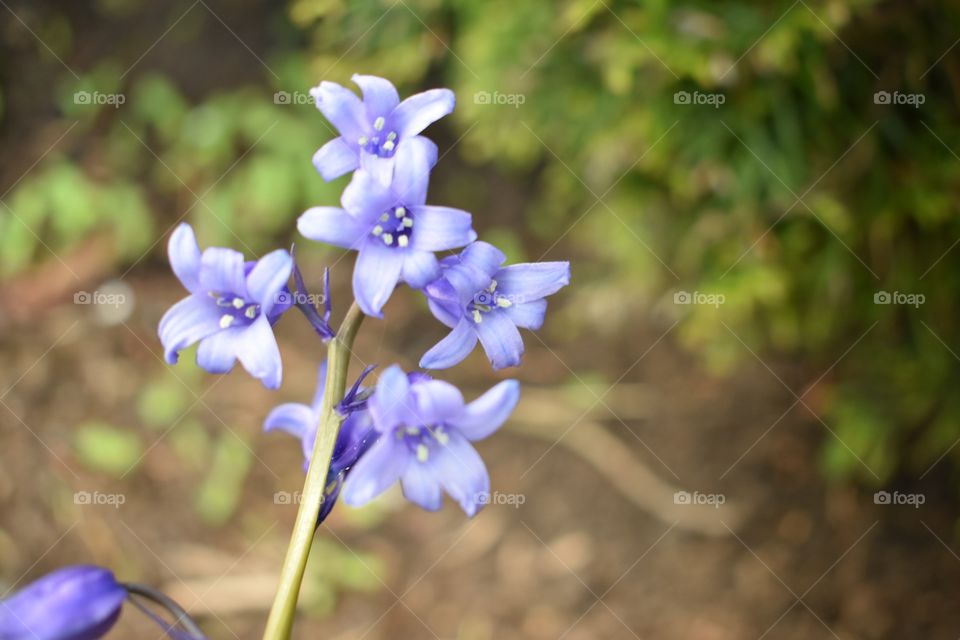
(107, 448)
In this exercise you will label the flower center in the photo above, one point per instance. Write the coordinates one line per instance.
(236, 310)
(379, 143)
(394, 227)
(423, 440)
(485, 301)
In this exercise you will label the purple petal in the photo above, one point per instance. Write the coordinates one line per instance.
(417, 112)
(336, 158)
(379, 95)
(375, 275)
(321, 386)
(533, 280)
(484, 258)
(217, 352)
(298, 420)
(259, 354)
(421, 487)
(484, 415)
(193, 318)
(440, 228)
(342, 108)
(268, 277)
(434, 401)
(453, 349)
(500, 339)
(419, 268)
(376, 471)
(461, 471)
(381, 169)
(333, 226)
(73, 603)
(445, 302)
(527, 315)
(411, 172)
(391, 405)
(222, 271)
(184, 256)
(366, 198)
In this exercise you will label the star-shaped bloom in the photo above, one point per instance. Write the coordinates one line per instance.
(230, 310)
(73, 603)
(480, 299)
(373, 129)
(391, 227)
(355, 436)
(426, 430)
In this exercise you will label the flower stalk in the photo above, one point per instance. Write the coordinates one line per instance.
(283, 611)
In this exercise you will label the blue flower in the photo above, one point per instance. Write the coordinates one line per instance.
(393, 230)
(426, 430)
(73, 603)
(355, 436)
(373, 130)
(231, 308)
(480, 299)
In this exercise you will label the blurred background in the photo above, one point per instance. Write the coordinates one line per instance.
(740, 420)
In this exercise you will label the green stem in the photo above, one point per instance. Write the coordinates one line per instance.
(280, 622)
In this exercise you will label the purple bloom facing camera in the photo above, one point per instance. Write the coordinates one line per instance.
(481, 300)
(373, 129)
(391, 227)
(231, 308)
(425, 433)
(74, 603)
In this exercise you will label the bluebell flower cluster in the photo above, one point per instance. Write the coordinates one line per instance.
(409, 428)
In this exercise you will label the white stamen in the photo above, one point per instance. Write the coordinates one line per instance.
(226, 320)
(377, 230)
(392, 136)
(388, 239)
(251, 312)
(493, 286)
(503, 302)
(407, 222)
(363, 141)
(422, 452)
(403, 241)
(384, 217)
(378, 123)
(237, 303)
(441, 437)
(414, 431)
(477, 317)
(400, 212)
(388, 145)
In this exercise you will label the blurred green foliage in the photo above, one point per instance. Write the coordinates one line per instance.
(797, 199)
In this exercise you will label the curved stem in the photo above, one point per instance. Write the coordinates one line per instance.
(280, 622)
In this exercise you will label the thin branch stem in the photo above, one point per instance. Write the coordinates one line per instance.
(280, 622)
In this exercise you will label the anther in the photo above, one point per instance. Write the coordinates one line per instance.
(388, 239)
(226, 320)
(403, 241)
(378, 123)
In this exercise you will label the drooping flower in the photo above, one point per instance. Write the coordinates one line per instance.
(373, 129)
(355, 437)
(73, 603)
(426, 430)
(392, 229)
(480, 299)
(230, 310)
